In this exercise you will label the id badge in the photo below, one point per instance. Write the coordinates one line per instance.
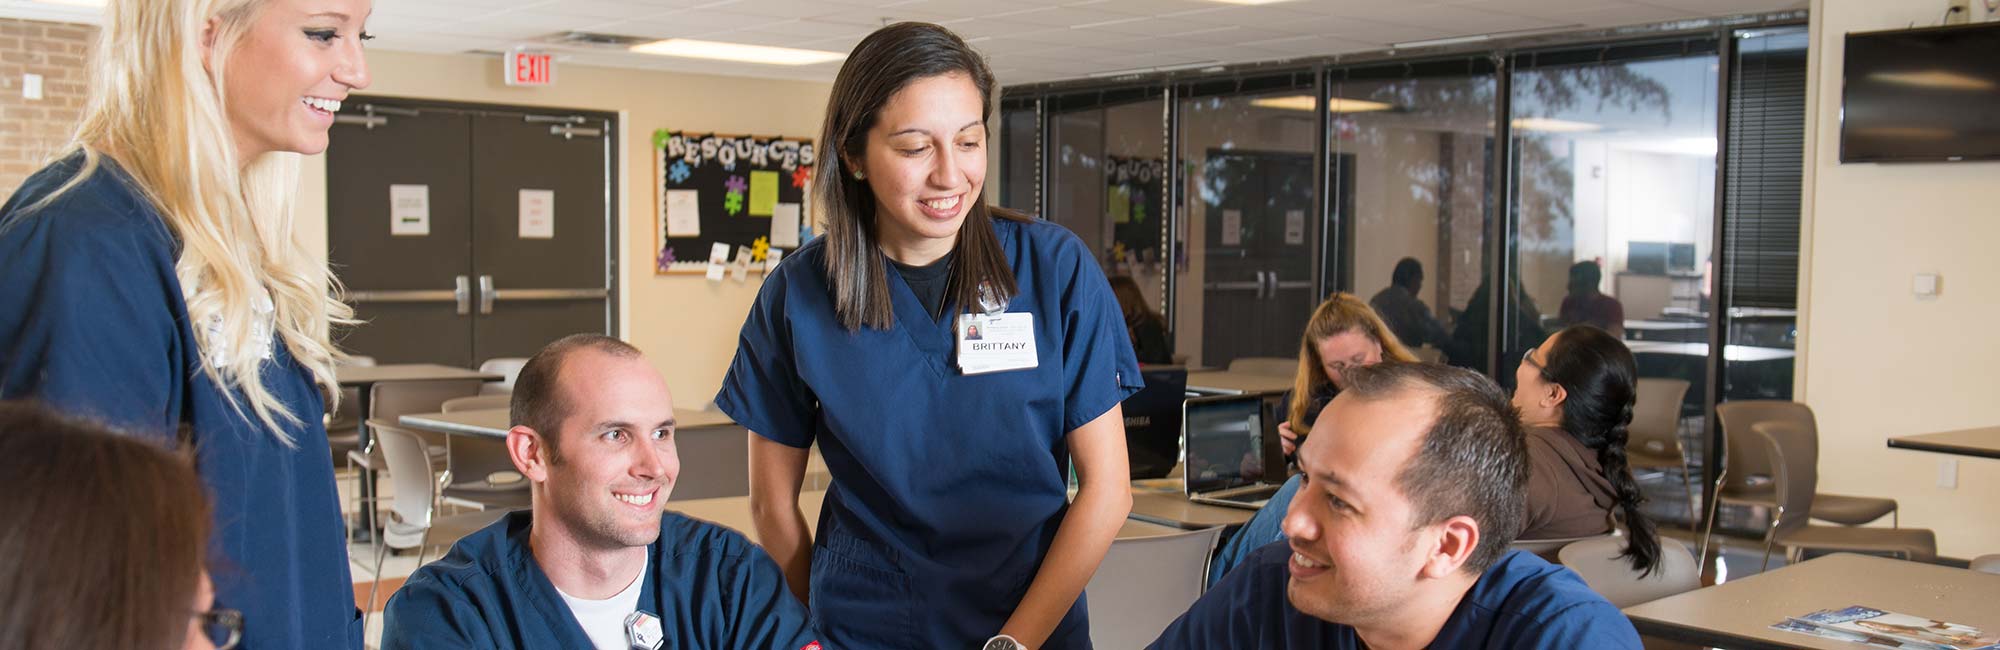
(642, 631)
(997, 342)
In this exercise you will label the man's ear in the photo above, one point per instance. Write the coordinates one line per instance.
(526, 448)
(1457, 538)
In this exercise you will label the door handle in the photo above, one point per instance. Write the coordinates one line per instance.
(485, 294)
(463, 294)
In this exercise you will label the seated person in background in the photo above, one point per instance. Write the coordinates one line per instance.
(1342, 334)
(597, 562)
(1575, 393)
(105, 537)
(1146, 327)
(1406, 315)
(1585, 305)
(1399, 536)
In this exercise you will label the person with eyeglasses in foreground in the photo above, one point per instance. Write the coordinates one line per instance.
(1398, 538)
(106, 539)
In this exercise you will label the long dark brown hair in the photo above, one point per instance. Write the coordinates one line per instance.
(104, 536)
(882, 65)
(1601, 378)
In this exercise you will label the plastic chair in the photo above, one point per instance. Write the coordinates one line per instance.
(478, 471)
(1548, 547)
(1145, 583)
(413, 506)
(1597, 561)
(510, 367)
(1796, 477)
(1655, 440)
(1747, 468)
(1986, 564)
(392, 400)
(1272, 366)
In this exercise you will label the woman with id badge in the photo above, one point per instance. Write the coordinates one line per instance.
(952, 360)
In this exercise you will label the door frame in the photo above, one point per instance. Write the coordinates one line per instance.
(611, 125)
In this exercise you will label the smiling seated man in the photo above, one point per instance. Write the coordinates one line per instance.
(1398, 538)
(597, 562)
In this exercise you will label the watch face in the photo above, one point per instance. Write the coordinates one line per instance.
(1002, 643)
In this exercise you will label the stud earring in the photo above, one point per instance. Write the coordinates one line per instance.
(859, 176)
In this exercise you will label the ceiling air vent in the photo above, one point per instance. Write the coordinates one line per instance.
(594, 40)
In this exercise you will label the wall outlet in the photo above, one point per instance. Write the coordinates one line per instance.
(31, 86)
(1959, 12)
(1948, 473)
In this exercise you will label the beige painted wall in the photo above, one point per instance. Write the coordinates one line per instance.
(686, 324)
(1876, 361)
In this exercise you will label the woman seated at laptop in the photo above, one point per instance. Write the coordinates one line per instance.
(105, 537)
(1343, 333)
(1575, 392)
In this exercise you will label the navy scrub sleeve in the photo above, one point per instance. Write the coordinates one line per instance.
(93, 323)
(947, 489)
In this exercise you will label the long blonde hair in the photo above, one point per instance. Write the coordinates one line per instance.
(157, 109)
(1342, 312)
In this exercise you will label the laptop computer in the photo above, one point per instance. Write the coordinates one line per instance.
(1234, 458)
(1153, 422)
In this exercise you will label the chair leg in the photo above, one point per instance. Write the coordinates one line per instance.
(381, 549)
(1709, 530)
(1771, 536)
(1687, 479)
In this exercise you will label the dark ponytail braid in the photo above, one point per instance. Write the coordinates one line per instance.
(1601, 379)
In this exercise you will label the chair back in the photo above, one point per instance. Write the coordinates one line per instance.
(1597, 561)
(1547, 547)
(509, 367)
(477, 403)
(1796, 478)
(348, 414)
(1656, 416)
(394, 399)
(410, 474)
(1271, 366)
(1145, 583)
(1740, 416)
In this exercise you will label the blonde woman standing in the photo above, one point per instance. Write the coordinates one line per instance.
(150, 279)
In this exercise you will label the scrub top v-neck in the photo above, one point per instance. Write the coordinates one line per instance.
(947, 488)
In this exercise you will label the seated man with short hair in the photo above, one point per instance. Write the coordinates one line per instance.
(1398, 538)
(597, 562)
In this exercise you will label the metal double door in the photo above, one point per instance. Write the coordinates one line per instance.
(465, 233)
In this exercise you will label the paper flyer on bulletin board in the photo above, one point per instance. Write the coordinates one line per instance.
(713, 189)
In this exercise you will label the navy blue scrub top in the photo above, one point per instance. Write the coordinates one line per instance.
(1521, 602)
(92, 322)
(709, 586)
(947, 489)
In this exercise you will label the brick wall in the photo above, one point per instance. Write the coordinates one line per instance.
(31, 130)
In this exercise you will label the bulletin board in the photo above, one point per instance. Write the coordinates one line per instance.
(1132, 188)
(740, 190)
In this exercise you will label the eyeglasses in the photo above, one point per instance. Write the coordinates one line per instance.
(1529, 358)
(224, 627)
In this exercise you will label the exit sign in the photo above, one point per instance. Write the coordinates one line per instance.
(524, 68)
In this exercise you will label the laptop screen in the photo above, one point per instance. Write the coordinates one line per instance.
(1225, 439)
(1153, 422)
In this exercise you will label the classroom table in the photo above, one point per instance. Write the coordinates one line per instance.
(363, 379)
(1978, 443)
(1163, 501)
(1224, 382)
(494, 423)
(1739, 613)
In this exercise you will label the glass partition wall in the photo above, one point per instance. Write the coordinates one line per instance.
(1644, 182)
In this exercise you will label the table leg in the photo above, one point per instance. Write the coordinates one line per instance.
(364, 530)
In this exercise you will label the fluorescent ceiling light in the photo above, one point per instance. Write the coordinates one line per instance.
(1155, 68)
(1553, 125)
(765, 54)
(74, 3)
(1934, 79)
(1334, 105)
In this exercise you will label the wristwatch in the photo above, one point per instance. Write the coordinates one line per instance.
(1003, 642)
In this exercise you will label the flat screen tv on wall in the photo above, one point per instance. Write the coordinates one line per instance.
(1917, 95)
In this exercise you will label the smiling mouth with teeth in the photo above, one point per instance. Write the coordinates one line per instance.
(636, 499)
(321, 104)
(1305, 561)
(942, 204)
